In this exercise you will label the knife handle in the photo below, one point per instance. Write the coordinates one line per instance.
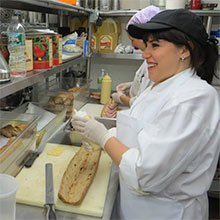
(31, 160)
(50, 212)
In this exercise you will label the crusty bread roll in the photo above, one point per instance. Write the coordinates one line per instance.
(79, 175)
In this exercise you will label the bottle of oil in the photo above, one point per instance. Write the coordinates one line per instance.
(107, 36)
(106, 89)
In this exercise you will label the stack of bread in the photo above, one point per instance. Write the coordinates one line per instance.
(60, 101)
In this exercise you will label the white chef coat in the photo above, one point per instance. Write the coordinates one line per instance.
(173, 132)
(141, 81)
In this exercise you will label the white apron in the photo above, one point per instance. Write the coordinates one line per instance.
(137, 207)
(130, 204)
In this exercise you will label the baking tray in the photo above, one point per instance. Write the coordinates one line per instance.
(13, 155)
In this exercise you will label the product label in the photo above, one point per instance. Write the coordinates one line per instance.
(42, 52)
(16, 39)
(93, 42)
(105, 42)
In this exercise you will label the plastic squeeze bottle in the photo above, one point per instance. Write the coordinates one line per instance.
(106, 89)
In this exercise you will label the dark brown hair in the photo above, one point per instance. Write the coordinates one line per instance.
(203, 57)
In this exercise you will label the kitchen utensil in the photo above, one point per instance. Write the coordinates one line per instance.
(49, 197)
(55, 123)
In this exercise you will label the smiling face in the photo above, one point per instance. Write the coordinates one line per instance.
(164, 59)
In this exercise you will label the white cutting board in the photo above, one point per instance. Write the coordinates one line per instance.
(92, 109)
(32, 182)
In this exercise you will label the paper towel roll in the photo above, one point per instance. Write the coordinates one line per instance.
(174, 4)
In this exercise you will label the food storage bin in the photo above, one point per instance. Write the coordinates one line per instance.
(48, 122)
(13, 151)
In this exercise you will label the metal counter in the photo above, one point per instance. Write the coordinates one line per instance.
(26, 212)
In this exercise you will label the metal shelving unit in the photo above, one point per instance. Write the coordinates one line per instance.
(34, 77)
(43, 6)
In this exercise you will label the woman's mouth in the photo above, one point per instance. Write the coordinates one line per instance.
(151, 65)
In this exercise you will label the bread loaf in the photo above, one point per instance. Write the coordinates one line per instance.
(79, 175)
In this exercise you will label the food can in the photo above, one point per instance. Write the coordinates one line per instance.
(57, 49)
(4, 46)
(42, 52)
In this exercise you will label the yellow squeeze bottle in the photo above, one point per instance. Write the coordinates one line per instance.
(106, 89)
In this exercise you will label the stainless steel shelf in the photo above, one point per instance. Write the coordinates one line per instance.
(34, 77)
(132, 12)
(118, 56)
(44, 6)
(206, 12)
(118, 13)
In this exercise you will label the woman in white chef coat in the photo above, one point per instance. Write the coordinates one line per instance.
(167, 143)
(127, 92)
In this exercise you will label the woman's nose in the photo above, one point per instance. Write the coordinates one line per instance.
(146, 53)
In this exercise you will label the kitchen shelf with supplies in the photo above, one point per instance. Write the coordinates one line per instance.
(207, 16)
(34, 77)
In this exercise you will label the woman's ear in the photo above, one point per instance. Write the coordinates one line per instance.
(185, 53)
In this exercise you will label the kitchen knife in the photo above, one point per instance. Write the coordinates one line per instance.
(34, 154)
(49, 205)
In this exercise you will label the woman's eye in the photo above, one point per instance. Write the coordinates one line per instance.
(155, 45)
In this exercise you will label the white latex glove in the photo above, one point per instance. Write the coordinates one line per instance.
(116, 96)
(92, 129)
(123, 87)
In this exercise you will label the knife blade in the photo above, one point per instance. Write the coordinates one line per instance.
(34, 154)
(49, 197)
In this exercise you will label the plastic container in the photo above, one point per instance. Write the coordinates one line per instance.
(107, 36)
(16, 47)
(8, 191)
(174, 4)
(106, 89)
(15, 150)
(47, 123)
